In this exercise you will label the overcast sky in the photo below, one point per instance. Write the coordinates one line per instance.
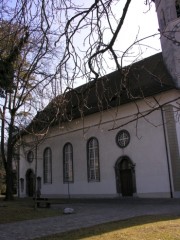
(141, 19)
(140, 22)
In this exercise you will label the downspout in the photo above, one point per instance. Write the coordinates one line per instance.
(35, 180)
(167, 155)
(18, 171)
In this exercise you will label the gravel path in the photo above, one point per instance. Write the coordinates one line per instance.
(88, 214)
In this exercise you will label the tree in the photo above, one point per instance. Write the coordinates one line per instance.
(19, 86)
(10, 56)
(2, 177)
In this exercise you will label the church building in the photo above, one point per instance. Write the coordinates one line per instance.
(118, 136)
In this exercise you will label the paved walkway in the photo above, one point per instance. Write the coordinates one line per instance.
(88, 214)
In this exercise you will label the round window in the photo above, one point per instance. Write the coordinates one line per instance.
(30, 156)
(123, 138)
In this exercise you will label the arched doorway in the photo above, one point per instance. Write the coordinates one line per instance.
(30, 183)
(125, 176)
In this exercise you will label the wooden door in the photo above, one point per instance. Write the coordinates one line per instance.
(29, 183)
(126, 182)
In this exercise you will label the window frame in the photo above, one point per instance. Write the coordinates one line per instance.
(47, 179)
(118, 137)
(68, 165)
(30, 156)
(95, 169)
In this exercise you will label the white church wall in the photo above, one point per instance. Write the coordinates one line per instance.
(151, 160)
(146, 150)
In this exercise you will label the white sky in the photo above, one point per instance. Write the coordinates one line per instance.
(140, 22)
(141, 19)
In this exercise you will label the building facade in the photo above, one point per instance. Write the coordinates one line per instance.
(126, 143)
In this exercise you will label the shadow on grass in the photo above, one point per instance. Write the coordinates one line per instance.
(106, 228)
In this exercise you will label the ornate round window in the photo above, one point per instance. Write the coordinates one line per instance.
(30, 156)
(123, 138)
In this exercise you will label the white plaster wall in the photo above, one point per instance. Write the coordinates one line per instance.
(146, 149)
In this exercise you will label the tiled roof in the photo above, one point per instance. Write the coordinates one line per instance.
(137, 81)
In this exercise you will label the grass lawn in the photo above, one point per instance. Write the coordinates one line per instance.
(138, 228)
(23, 209)
(166, 227)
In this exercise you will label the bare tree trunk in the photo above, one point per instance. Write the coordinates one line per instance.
(3, 113)
(9, 169)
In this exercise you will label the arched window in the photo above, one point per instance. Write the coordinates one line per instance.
(93, 160)
(47, 166)
(68, 163)
(30, 156)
